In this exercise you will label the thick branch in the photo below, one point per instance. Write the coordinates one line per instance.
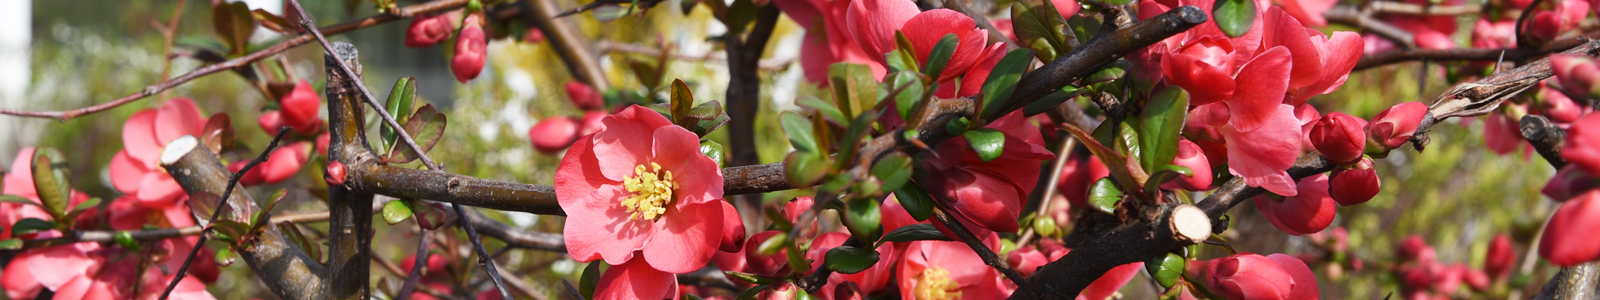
(744, 99)
(1102, 50)
(516, 237)
(1546, 137)
(282, 266)
(349, 210)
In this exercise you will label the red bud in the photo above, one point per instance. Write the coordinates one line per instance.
(1497, 261)
(553, 134)
(1569, 237)
(1190, 155)
(426, 31)
(583, 95)
(1394, 126)
(1356, 184)
(270, 121)
(300, 108)
(1340, 137)
(335, 174)
(1582, 147)
(471, 50)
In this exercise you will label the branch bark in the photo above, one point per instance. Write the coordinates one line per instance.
(349, 210)
(1476, 54)
(744, 99)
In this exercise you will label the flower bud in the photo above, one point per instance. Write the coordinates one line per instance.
(533, 36)
(1577, 74)
(1340, 137)
(1557, 106)
(1356, 184)
(1497, 261)
(1026, 260)
(1569, 237)
(584, 96)
(1252, 276)
(471, 49)
(1569, 182)
(591, 123)
(764, 265)
(300, 108)
(284, 162)
(1308, 211)
(426, 31)
(251, 178)
(1394, 126)
(1413, 248)
(1477, 280)
(1582, 147)
(1190, 155)
(270, 121)
(553, 134)
(322, 143)
(335, 173)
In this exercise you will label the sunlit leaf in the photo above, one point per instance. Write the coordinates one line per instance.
(126, 240)
(1234, 17)
(1003, 80)
(1104, 195)
(941, 55)
(51, 180)
(916, 201)
(862, 218)
(894, 170)
(401, 99)
(397, 211)
(987, 142)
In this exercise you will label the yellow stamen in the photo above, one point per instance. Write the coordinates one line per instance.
(651, 191)
(935, 284)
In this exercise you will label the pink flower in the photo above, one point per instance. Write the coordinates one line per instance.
(1108, 283)
(1501, 133)
(828, 36)
(948, 270)
(136, 170)
(426, 31)
(1547, 25)
(1026, 260)
(553, 134)
(270, 121)
(284, 162)
(1340, 137)
(19, 182)
(591, 123)
(1498, 259)
(931, 26)
(1309, 211)
(1413, 248)
(1497, 34)
(988, 194)
(584, 96)
(1577, 74)
(1354, 185)
(88, 271)
(1307, 11)
(1569, 182)
(1190, 155)
(1252, 276)
(655, 198)
(1394, 126)
(1582, 147)
(869, 281)
(300, 109)
(1568, 239)
(1076, 176)
(471, 49)
(872, 24)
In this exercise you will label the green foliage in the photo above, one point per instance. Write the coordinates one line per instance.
(1234, 16)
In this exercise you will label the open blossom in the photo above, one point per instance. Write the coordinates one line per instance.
(136, 170)
(948, 270)
(89, 271)
(653, 208)
(19, 182)
(828, 39)
(988, 194)
(869, 281)
(1309, 211)
(863, 31)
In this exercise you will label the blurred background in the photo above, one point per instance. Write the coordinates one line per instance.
(65, 54)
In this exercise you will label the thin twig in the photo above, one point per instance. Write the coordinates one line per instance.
(1050, 187)
(417, 264)
(1403, 8)
(306, 22)
(232, 182)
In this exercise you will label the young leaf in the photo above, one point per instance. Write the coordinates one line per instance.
(894, 170)
(1164, 174)
(264, 216)
(217, 133)
(988, 142)
(225, 257)
(854, 88)
(799, 131)
(941, 55)
(914, 232)
(646, 72)
(850, 260)
(399, 104)
(397, 211)
(1234, 17)
(233, 23)
(1104, 195)
(272, 22)
(805, 168)
(747, 277)
(916, 201)
(126, 240)
(31, 225)
(1032, 33)
(858, 130)
(203, 204)
(293, 232)
(682, 101)
(590, 279)
(11, 244)
(903, 57)
(426, 127)
(713, 150)
(828, 111)
(14, 199)
(1113, 160)
(863, 219)
(51, 179)
(1003, 80)
(1161, 123)
(910, 95)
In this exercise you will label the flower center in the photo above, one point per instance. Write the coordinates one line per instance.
(651, 191)
(935, 284)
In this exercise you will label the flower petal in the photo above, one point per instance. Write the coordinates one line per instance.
(686, 238)
(626, 140)
(139, 137)
(126, 173)
(177, 118)
(599, 227)
(635, 280)
(58, 265)
(1261, 86)
(1204, 82)
(1261, 156)
(158, 189)
(927, 28)
(677, 150)
(872, 24)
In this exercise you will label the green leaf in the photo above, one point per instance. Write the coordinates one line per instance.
(910, 95)
(11, 244)
(858, 131)
(225, 257)
(751, 293)
(1164, 174)
(426, 128)
(682, 101)
(126, 240)
(901, 59)
(52, 181)
(647, 73)
(401, 98)
(1039, 26)
(590, 279)
(233, 23)
(862, 218)
(1116, 70)
(941, 55)
(1161, 123)
(1104, 195)
(264, 216)
(1083, 27)
(1234, 17)
(773, 244)
(747, 277)
(850, 260)
(828, 111)
(229, 229)
(914, 232)
(1166, 269)
(712, 150)
(14, 199)
(740, 14)
(397, 211)
(854, 88)
(916, 201)
(86, 205)
(988, 142)
(31, 225)
(1113, 160)
(799, 130)
(1003, 80)
(894, 170)
(805, 168)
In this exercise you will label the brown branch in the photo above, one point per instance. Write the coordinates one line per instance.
(516, 237)
(350, 217)
(1474, 54)
(1546, 137)
(1403, 8)
(1100, 51)
(744, 99)
(280, 47)
(101, 236)
(1349, 15)
(285, 269)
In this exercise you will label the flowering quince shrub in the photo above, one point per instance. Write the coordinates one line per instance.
(1031, 149)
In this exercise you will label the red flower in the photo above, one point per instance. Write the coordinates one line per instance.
(426, 31)
(988, 194)
(1394, 126)
(471, 49)
(655, 198)
(1569, 182)
(872, 24)
(1340, 137)
(1568, 239)
(1354, 185)
(300, 109)
(1577, 74)
(584, 96)
(948, 270)
(1583, 144)
(1307, 11)
(869, 281)
(1252, 276)
(1498, 259)
(1546, 25)
(136, 170)
(553, 134)
(828, 38)
(1413, 248)
(1501, 133)
(1310, 211)
(1190, 155)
